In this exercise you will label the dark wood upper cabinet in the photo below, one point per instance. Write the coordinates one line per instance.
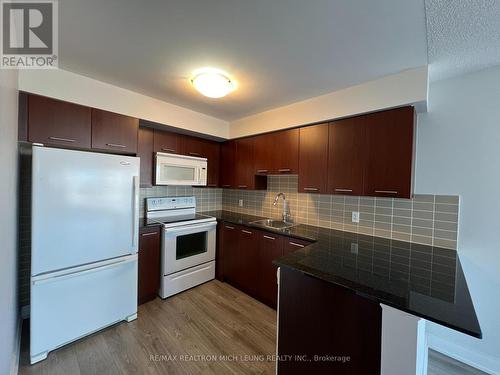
(244, 163)
(270, 248)
(287, 148)
(114, 132)
(389, 153)
(146, 153)
(227, 165)
(313, 158)
(346, 156)
(149, 264)
(167, 142)
(277, 153)
(54, 122)
(265, 152)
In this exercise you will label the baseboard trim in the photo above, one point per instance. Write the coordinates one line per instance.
(16, 356)
(480, 361)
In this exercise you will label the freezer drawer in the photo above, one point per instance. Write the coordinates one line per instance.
(69, 306)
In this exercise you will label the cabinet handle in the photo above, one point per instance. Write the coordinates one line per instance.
(194, 154)
(310, 189)
(344, 190)
(262, 170)
(228, 227)
(296, 244)
(284, 170)
(168, 149)
(115, 145)
(386, 191)
(246, 231)
(148, 234)
(269, 237)
(62, 139)
(242, 186)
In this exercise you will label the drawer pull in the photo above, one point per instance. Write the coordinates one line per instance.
(284, 170)
(344, 190)
(148, 234)
(115, 145)
(62, 139)
(242, 186)
(246, 231)
(228, 227)
(194, 154)
(386, 191)
(269, 237)
(310, 189)
(296, 244)
(262, 170)
(168, 149)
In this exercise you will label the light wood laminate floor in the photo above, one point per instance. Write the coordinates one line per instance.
(213, 319)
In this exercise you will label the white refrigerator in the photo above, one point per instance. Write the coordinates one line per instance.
(84, 233)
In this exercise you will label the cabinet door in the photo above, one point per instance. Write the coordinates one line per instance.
(149, 264)
(319, 318)
(266, 152)
(389, 153)
(293, 244)
(114, 132)
(227, 165)
(270, 248)
(145, 152)
(287, 145)
(167, 142)
(346, 156)
(54, 122)
(230, 250)
(313, 158)
(213, 156)
(248, 264)
(245, 163)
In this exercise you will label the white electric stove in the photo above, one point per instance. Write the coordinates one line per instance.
(188, 243)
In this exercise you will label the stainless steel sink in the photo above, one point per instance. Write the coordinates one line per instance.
(274, 224)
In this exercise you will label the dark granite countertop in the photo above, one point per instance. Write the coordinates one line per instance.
(422, 280)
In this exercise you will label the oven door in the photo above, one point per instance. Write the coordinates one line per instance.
(187, 246)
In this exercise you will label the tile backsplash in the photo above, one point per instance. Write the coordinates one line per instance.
(425, 219)
(207, 199)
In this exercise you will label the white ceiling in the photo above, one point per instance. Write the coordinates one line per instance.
(280, 51)
(463, 36)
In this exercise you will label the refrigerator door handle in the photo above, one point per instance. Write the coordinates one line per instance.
(135, 214)
(68, 275)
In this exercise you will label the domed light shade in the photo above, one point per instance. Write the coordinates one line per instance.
(212, 82)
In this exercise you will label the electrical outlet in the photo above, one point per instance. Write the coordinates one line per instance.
(354, 248)
(355, 216)
(240, 202)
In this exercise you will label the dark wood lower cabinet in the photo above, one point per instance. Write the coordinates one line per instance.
(149, 264)
(245, 259)
(326, 329)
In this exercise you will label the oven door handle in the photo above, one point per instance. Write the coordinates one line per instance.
(188, 229)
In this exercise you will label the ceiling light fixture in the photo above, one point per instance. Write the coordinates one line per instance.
(212, 82)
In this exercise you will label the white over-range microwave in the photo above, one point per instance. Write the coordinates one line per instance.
(174, 169)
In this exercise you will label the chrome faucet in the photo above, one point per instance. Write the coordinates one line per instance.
(286, 214)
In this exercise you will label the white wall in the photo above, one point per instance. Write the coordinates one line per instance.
(72, 87)
(8, 219)
(407, 87)
(458, 152)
